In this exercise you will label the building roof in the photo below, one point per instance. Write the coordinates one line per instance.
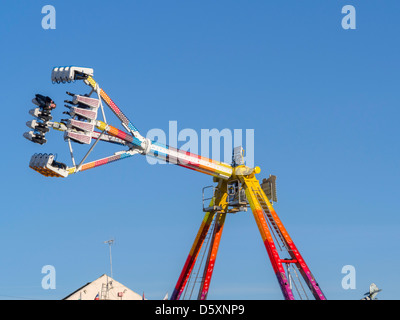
(104, 288)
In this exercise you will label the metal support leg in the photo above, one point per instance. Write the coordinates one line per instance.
(191, 259)
(212, 255)
(219, 200)
(268, 240)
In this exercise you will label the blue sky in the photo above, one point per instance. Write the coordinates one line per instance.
(323, 103)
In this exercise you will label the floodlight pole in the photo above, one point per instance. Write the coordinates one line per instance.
(110, 242)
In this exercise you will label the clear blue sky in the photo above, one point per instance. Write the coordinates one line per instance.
(323, 101)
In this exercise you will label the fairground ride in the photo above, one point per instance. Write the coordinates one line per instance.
(235, 185)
